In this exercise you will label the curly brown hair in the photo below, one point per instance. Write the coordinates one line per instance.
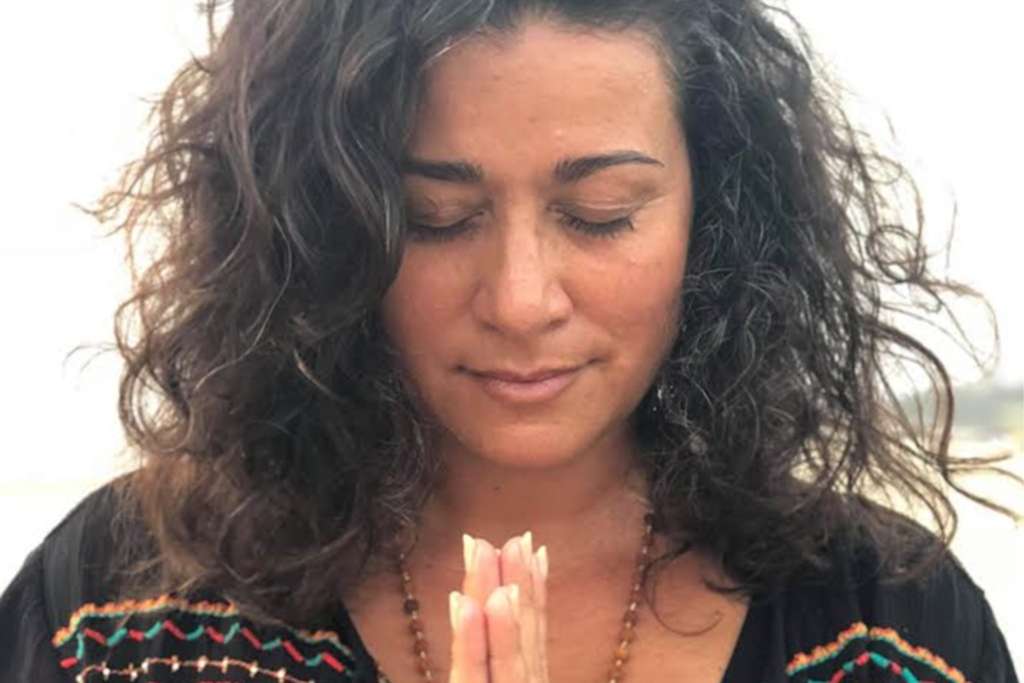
(279, 450)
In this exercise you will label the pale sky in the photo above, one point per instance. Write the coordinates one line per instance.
(948, 75)
(73, 73)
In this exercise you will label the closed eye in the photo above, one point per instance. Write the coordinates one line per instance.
(604, 229)
(445, 233)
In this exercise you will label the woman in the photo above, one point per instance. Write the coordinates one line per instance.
(445, 284)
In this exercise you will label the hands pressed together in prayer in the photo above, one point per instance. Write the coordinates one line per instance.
(499, 619)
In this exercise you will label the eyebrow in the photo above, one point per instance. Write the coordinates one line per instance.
(566, 171)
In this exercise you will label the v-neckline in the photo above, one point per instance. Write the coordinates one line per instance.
(743, 662)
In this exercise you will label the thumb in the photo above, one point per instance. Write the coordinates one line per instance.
(504, 639)
(469, 640)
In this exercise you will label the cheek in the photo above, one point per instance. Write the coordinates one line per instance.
(423, 295)
(641, 298)
(645, 317)
(644, 314)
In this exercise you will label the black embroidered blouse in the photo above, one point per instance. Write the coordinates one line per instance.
(58, 624)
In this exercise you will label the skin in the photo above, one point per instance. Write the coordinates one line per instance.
(515, 285)
(499, 620)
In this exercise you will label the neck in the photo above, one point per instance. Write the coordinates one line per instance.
(585, 509)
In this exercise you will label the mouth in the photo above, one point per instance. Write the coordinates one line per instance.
(531, 386)
(523, 377)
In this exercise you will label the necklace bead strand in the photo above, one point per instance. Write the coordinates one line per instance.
(627, 635)
(629, 620)
(411, 606)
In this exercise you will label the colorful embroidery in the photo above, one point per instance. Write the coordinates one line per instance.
(820, 653)
(170, 602)
(173, 664)
(859, 630)
(78, 633)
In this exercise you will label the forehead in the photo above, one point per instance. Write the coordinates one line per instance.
(544, 91)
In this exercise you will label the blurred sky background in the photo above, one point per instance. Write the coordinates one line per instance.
(74, 75)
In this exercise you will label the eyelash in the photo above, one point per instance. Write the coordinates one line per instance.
(446, 233)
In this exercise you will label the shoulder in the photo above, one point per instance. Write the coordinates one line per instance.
(81, 627)
(934, 625)
(60, 572)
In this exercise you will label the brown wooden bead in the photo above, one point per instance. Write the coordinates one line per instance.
(622, 652)
(411, 606)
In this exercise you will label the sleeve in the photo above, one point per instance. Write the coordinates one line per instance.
(26, 652)
(947, 622)
(65, 571)
(992, 661)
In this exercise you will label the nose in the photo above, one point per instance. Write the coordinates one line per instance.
(520, 290)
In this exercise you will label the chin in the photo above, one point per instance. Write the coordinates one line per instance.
(527, 457)
(526, 446)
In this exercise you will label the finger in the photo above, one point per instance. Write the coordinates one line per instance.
(540, 574)
(514, 561)
(516, 569)
(469, 640)
(483, 574)
(504, 644)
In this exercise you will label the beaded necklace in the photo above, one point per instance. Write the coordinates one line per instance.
(411, 607)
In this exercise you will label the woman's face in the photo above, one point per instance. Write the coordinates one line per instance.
(549, 186)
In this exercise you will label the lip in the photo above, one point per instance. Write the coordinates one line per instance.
(522, 377)
(535, 386)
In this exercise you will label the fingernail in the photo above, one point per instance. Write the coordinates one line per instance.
(468, 551)
(542, 557)
(454, 608)
(526, 545)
